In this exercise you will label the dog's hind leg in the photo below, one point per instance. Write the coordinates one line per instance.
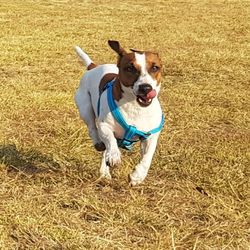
(88, 116)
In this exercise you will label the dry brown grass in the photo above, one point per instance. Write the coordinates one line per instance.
(196, 195)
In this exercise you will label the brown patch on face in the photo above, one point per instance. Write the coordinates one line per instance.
(129, 71)
(117, 90)
(154, 65)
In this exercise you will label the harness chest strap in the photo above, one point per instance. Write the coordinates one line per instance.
(130, 130)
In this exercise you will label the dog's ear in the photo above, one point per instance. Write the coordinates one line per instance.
(137, 51)
(115, 45)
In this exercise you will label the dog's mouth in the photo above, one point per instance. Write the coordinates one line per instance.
(145, 100)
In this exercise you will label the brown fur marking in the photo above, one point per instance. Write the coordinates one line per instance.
(126, 77)
(91, 66)
(117, 90)
(153, 59)
(106, 78)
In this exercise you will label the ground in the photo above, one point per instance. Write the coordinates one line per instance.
(196, 195)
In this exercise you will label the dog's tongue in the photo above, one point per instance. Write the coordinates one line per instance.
(151, 94)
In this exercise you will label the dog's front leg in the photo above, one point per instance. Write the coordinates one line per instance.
(112, 155)
(147, 150)
(104, 170)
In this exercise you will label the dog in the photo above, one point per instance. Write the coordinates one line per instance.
(119, 104)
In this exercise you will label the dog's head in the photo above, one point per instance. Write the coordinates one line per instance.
(139, 71)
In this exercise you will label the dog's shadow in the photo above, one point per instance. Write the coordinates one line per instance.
(28, 162)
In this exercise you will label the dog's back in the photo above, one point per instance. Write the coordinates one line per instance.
(90, 84)
(92, 79)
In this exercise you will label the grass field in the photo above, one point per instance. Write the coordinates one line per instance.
(197, 193)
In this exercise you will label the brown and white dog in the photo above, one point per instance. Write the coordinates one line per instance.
(137, 84)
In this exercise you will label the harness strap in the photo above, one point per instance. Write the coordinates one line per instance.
(113, 107)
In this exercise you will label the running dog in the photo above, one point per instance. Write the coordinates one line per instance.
(119, 104)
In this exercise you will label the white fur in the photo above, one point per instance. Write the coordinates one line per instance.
(145, 77)
(105, 128)
(85, 58)
(141, 60)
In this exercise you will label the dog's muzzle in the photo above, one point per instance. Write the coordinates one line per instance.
(145, 94)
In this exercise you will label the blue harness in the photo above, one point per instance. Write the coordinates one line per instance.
(130, 130)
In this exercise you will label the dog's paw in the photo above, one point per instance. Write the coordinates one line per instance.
(104, 172)
(113, 157)
(100, 146)
(106, 175)
(137, 176)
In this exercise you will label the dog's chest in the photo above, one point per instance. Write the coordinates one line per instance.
(144, 119)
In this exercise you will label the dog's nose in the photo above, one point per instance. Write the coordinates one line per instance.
(145, 88)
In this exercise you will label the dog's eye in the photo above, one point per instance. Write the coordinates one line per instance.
(131, 69)
(155, 68)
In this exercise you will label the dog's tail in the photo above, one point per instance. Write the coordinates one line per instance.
(85, 58)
